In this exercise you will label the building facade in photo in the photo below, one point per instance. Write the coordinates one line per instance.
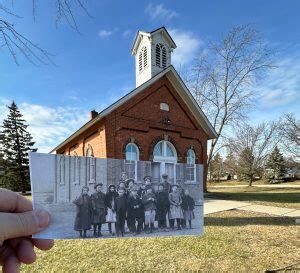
(159, 121)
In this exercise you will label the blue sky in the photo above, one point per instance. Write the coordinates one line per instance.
(95, 68)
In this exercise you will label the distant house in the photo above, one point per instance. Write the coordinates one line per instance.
(158, 121)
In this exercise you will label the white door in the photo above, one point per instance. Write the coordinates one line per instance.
(156, 172)
(164, 154)
(170, 170)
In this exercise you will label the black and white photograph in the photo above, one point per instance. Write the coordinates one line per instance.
(90, 197)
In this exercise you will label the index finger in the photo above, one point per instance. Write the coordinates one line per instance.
(13, 202)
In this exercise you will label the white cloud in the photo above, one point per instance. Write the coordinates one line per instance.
(281, 86)
(160, 13)
(126, 33)
(48, 125)
(187, 47)
(105, 33)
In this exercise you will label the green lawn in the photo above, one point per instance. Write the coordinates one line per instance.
(234, 241)
(280, 197)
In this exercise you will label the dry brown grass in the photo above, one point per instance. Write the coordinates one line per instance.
(234, 241)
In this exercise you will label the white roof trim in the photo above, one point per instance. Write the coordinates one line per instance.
(181, 88)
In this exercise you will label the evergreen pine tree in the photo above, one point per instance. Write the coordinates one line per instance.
(276, 162)
(15, 143)
(246, 167)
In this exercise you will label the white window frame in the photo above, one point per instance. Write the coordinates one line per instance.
(166, 159)
(129, 161)
(62, 170)
(91, 173)
(190, 166)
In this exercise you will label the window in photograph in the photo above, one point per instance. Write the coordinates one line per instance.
(132, 156)
(90, 165)
(76, 169)
(62, 170)
(190, 167)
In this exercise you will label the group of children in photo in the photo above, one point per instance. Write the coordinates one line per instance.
(137, 204)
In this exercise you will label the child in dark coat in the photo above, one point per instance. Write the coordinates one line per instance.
(135, 211)
(110, 200)
(162, 206)
(99, 211)
(188, 205)
(83, 219)
(120, 209)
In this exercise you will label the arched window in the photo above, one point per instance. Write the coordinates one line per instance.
(143, 58)
(190, 167)
(132, 152)
(164, 161)
(164, 150)
(160, 56)
(89, 151)
(90, 165)
(132, 156)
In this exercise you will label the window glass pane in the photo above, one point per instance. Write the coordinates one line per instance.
(158, 149)
(190, 172)
(130, 169)
(191, 157)
(169, 151)
(131, 152)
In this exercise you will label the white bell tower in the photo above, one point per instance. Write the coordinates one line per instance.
(152, 52)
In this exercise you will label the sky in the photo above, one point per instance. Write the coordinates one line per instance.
(94, 67)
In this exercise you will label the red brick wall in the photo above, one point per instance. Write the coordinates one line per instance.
(141, 119)
(94, 136)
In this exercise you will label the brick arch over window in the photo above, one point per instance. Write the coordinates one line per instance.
(198, 150)
(160, 138)
(128, 141)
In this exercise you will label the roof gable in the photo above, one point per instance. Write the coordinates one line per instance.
(179, 86)
(182, 90)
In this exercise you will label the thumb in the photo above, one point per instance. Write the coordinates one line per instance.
(13, 225)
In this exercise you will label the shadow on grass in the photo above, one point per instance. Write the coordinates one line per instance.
(244, 221)
(284, 197)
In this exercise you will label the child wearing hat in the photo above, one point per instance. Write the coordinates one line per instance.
(149, 202)
(166, 184)
(188, 205)
(148, 181)
(83, 212)
(111, 216)
(135, 211)
(99, 211)
(175, 211)
(120, 209)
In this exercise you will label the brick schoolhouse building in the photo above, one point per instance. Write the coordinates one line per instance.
(158, 121)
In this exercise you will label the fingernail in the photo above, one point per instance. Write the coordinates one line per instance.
(42, 218)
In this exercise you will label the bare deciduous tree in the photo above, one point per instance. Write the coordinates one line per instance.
(222, 82)
(252, 144)
(16, 43)
(291, 135)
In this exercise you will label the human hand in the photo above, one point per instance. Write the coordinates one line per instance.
(17, 223)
